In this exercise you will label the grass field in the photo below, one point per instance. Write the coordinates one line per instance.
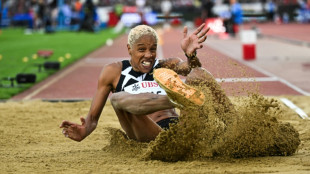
(18, 53)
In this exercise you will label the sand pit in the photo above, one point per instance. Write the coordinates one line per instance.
(32, 142)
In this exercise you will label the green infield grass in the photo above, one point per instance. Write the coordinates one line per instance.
(18, 53)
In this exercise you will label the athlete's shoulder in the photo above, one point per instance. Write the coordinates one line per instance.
(113, 67)
(111, 70)
(109, 73)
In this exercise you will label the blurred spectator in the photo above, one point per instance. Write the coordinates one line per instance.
(22, 14)
(140, 4)
(271, 9)
(5, 13)
(78, 5)
(166, 7)
(303, 11)
(88, 16)
(118, 8)
(53, 12)
(308, 10)
(50, 25)
(207, 7)
(76, 14)
(41, 14)
(33, 11)
(65, 14)
(236, 15)
(0, 15)
(227, 21)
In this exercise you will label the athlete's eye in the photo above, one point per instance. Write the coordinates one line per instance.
(141, 49)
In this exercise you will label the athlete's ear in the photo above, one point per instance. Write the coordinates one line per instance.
(129, 49)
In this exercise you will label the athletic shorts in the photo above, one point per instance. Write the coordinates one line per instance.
(164, 124)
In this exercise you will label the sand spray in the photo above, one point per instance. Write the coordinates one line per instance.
(247, 127)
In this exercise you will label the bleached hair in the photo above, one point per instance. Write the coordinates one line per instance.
(141, 30)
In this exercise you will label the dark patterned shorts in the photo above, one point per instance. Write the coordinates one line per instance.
(164, 124)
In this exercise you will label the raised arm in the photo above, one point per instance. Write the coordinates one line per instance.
(189, 44)
(140, 104)
(78, 132)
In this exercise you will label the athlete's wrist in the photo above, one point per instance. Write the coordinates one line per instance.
(191, 55)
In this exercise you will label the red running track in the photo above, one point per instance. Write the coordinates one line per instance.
(79, 81)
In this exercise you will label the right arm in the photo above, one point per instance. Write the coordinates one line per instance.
(105, 85)
(189, 44)
(140, 104)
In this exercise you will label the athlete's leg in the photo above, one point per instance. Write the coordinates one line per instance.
(133, 112)
(140, 128)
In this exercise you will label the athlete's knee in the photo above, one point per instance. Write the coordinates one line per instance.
(115, 100)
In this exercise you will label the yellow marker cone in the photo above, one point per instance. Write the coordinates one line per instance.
(61, 59)
(68, 56)
(34, 56)
(25, 59)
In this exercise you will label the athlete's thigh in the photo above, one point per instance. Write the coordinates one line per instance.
(140, 128)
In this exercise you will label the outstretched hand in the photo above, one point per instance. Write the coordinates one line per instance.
(74, 131)
(190, 43)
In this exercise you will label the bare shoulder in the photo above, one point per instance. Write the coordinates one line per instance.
(114, 68)
(110, 73)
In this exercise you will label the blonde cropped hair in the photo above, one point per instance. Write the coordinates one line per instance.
(140, 30)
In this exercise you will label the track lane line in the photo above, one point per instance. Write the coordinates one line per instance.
(251, 79)
(279, 79)
(55, 79)
(267, 73)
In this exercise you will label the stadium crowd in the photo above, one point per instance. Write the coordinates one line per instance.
(92, 15)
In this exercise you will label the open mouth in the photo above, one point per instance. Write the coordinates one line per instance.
(146, 64)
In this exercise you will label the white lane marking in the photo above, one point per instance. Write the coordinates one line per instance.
(104, 60)
(291, 105)
(255, 67)
(280, 79)
(253, 79)
(57, 77)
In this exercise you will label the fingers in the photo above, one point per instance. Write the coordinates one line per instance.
(68, 132)
(199, 29)
(82, 120)
(203, 36)
(65, 124)
(201, 40)
(208, 29)
(204, 32)
(185, 32)
(65, 132)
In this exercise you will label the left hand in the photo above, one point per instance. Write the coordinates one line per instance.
(74, 131)
(191, 43)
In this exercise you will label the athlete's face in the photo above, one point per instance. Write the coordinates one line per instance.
(143, 53)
